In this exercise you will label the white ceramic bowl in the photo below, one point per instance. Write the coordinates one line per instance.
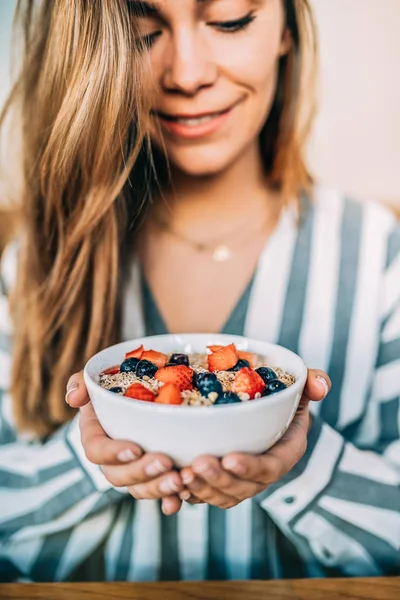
(185, 432)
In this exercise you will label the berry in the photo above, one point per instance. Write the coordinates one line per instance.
(249, 382)
(158, 358)
(111, 370)
(215, 348)
(146, 368)
(223, 359)
(135, 353)
(273, 386)
(179, 359)
(169, 394)
(116, 390)
(241, 364)
(139, 392)
(250, 357)
(227, 398)
(207, 383)
(181, 375)
(129, 365)
(266, 374)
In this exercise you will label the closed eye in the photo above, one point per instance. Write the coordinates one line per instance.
(233, 26)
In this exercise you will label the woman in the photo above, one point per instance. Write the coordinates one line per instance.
(165, 188)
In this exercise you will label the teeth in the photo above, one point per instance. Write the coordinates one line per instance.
(194, 122)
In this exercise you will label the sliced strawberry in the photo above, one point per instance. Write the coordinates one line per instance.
(140, 392)
(223, 359)
(180, 375)
(157, 358)
(248, 381)
(111, 370)
(250, 357)
(215, 348)
(135, 353)
(169, 394)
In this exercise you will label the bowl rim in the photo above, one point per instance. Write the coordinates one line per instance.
(197, 410)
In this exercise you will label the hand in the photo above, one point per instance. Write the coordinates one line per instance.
(123, 463)
(227, 482)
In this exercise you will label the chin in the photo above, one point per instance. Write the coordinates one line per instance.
(201, 162)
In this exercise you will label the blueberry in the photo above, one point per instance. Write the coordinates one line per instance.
(227, 398)
(129, 365)
(241, 364)
(207, 383)
(146, 368)
(266, 374)
(116, 390)
(179, 359)
(275, 385)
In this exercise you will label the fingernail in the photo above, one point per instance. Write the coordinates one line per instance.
(155, 468)
(126, 455)
(165, 509)
(72, 387)
(233, 465)
(187, 478)
(185, 495)
(200, 467)
(168, 486)
(211, 474)
(324, 384)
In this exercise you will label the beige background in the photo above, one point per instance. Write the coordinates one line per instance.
(356, 142)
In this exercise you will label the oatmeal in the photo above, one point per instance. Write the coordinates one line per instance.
(224, 375)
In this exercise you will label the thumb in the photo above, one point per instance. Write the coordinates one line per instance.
(76, 395)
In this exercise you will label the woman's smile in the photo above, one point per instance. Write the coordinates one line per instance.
(193, 126)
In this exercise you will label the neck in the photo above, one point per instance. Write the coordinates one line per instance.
(215, 203)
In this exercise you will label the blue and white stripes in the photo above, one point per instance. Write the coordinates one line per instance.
(336, 301)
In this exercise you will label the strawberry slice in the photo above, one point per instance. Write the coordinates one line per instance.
(157, 358)
(135, 353)
(249, 382)
(215, 348)
(223, 359)
(169, 394)
(180, 375)
(111, 370)
(250, 357)
(139, 392)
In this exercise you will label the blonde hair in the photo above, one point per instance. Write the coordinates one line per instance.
(80, 101)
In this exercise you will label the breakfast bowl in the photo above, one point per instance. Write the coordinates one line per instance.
(185, 432)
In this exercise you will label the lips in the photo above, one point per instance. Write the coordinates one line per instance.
(191, 119)
(193, 126)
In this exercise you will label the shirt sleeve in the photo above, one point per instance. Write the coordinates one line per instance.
(340, 505)
(45, 487)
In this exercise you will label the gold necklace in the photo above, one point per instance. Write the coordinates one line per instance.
(220, 252)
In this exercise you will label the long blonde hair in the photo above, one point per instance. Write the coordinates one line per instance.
(80, 102)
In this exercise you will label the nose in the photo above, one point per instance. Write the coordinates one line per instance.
(189, 66)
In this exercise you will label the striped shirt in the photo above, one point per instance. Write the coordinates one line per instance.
(327, 288)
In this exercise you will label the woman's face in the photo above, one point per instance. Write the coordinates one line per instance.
(213, 72)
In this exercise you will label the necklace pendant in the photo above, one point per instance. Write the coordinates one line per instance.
(221, 253)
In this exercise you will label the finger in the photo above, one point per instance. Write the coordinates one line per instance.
(171, 505)
(189, 498)
(98, 447)
(318, 385)
(159, 487)
(211, 471)
(203, 491)
(149, 467)
(76, 394)
(277, 461)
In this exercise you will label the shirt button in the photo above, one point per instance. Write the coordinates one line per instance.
(290, 499)
(326, 553)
